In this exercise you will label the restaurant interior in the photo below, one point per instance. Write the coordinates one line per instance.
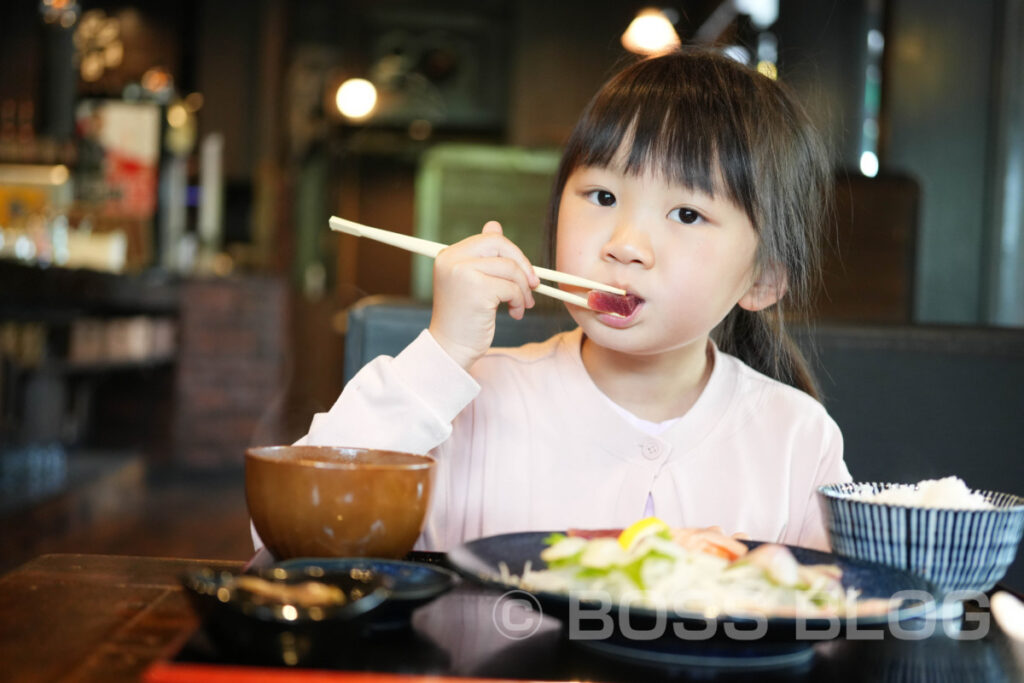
(171, 294)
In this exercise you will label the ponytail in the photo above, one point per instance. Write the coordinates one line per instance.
(760, 339)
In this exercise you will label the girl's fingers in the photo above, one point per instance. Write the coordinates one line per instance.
(471, 279)
(512, 294)
(506, 269)
(491, 242)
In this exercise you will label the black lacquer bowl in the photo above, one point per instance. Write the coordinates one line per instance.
(413, 584)
(282, 631)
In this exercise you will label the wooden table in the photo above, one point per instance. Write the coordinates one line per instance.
(92, 617)
(118, 618)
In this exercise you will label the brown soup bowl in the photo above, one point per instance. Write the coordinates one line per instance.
(326, 501)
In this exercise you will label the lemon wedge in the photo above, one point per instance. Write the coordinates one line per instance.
(643, 528)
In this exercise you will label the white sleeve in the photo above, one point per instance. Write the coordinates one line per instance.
(406, 403)
(831, 469)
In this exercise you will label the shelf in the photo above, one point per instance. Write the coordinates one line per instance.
(53, 294)
(60, 367)
(112, 366)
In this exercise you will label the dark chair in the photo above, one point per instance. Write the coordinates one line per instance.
(923, 402)
(386, 324)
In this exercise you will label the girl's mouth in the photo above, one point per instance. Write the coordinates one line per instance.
(614, 309)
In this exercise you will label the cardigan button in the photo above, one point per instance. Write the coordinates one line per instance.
(650, 449)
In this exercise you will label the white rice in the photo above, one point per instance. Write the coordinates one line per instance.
(948, 492)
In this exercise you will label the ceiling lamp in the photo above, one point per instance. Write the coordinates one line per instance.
(356, 98)
(650, 33)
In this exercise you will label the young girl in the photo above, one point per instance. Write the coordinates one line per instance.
(698, 186)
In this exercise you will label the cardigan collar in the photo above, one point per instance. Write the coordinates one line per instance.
(622, 439)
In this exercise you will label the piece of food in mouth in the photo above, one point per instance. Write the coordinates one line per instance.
(617, 304)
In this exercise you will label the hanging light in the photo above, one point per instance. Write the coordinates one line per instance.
(650, 33)
(63, 12)
(356, 98)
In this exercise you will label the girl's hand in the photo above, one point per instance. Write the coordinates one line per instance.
(471, 279)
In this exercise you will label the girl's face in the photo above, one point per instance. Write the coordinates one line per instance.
(689, 257)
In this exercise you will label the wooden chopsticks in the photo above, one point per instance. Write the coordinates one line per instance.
(418, 245)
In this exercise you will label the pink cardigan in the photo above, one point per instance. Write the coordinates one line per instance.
(526, 441)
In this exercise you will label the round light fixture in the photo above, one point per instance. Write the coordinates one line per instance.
(650, 33)
(356, 98)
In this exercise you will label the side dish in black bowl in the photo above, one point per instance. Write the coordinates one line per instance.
(286, 616)
(414, 584)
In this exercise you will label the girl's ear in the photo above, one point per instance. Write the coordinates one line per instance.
(768, 288)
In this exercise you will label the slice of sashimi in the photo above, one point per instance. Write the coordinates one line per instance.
(619, 304)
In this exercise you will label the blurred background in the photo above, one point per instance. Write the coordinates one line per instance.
(170, 293)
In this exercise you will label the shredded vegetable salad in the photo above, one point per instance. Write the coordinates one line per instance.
(694, 571)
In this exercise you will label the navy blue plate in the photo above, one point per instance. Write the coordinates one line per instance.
(684, 638)
(411, 584)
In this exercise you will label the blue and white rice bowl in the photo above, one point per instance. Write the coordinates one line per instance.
(958, 550)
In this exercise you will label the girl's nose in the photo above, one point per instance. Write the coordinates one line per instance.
(629, 245)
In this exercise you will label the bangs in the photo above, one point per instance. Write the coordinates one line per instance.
(663, 120)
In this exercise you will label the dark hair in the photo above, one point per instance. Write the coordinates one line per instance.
(709, 123)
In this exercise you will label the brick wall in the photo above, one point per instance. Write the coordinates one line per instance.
(231, 368)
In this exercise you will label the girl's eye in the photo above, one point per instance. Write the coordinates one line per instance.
(684, 215)
(601, 197)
